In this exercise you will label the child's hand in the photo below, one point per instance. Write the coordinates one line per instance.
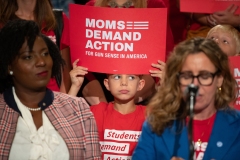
(77, 76)
(160, 73)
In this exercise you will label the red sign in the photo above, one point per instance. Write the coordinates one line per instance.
(207, 6)
(235, 66)
(117, 40)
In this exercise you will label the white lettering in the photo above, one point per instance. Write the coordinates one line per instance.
(107, 35)
(137, 56)
(117, 36)
(122, 135)
(100, 23)
(200, 156)
(89, 44)
(107, 24)
(110, 25)
(97, 34)
(199, 150)
(116, 157)
(136, 36)
(89, 33)
(114, 147)
(111, 55)
(98, 45)
(90, 23)
(236, 72)
(121, 25)
(98, 54)
(110, 35)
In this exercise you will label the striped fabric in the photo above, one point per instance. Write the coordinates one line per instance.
(71, 117)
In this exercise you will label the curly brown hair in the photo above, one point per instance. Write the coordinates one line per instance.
(168, 104)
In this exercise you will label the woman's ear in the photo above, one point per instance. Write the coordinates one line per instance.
(106, 84)
(10, 70)
(141, 84)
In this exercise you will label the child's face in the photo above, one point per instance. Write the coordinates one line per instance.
(225, 40)
(124, 86)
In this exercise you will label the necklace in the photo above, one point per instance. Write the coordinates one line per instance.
(113, 4)
(199, 141)
(33, 109)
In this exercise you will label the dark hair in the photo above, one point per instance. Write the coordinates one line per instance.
(168, 105)
(43, 14)
(12, 37)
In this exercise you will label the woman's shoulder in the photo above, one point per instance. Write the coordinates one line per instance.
(70, 105)
(90, 3)
(230, 115)
(2, 101)
(62, 98)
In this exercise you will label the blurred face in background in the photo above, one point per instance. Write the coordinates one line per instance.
(225, 40)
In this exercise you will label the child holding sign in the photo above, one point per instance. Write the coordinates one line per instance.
(148, 90)
(119, 122)
(227, 37)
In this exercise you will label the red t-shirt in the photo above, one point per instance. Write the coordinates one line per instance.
(118, 133)
(201, 134)
(64, 43)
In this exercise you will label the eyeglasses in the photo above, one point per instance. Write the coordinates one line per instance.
(204, 78)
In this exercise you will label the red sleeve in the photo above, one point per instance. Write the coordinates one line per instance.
(98, 112)
(65, 39)
(156, 4)
(98, 109)
(169, 39)
(90, 3)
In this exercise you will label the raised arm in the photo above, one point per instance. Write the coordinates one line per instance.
(160, 72)
(227, 16)
(77, 76)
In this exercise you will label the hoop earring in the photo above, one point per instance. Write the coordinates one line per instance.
(11, 73)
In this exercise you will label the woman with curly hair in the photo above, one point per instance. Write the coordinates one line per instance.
(42, 13)
(35, 122)
(164, 136)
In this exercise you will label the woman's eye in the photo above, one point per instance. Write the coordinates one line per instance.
(45, 54)
(186, 76)
(27, 57)
(205, 76)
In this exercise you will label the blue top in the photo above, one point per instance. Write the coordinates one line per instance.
(224, 142)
